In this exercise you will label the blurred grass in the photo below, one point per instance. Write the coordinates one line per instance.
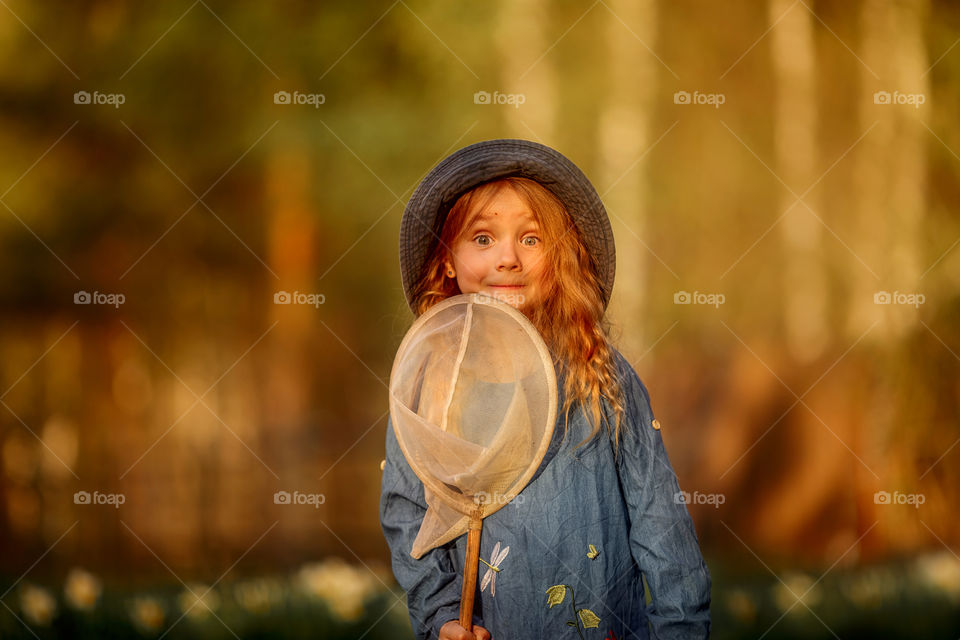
(905, 599)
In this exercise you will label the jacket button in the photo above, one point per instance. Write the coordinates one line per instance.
(383, 463)
(655, 424)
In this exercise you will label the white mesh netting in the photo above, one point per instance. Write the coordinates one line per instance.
(473, 403)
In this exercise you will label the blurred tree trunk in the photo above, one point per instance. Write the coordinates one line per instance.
(818, 462)
(624, 124)
(520, 41)
(286, 398)
(890, 182)
(795, 138)
(890, 170)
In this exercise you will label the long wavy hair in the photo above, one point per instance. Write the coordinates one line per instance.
(569, 314)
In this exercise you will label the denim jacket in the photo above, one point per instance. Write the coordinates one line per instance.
(580, 535)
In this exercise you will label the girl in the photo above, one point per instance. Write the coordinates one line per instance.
(568, 557)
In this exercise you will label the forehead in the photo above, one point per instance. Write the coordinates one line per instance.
(505, 205)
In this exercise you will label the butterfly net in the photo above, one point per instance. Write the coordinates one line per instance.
(473, 403)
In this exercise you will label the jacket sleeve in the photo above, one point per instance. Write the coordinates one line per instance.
(432, 583)
(662, 536)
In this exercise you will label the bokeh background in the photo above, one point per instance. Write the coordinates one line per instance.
(782, 181)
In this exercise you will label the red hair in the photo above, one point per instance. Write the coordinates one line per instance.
(569, 315)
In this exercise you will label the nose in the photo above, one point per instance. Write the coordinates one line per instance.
(508, 259)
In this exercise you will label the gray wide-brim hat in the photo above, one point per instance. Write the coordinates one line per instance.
(490, 160)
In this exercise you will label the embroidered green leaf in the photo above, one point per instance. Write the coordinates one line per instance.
(589, 619)
(593, 553)
(556, 594)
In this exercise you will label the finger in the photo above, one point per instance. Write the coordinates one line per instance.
(480, 633)
(453, 631)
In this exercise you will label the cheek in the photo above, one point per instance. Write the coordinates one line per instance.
(538, 264)
(470, 266)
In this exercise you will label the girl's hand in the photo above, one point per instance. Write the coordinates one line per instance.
(453, 631)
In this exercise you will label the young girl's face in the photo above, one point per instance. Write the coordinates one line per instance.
(501, 253)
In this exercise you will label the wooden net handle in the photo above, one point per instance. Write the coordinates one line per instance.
(470, 573)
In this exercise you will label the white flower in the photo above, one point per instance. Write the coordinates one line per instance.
(82, 589)
(869, 588)
(342, 586)
(146, 613)
(796, 588)
(741, 605)
(941, 571)
(198, 600)
(258, 596)
(37, 605)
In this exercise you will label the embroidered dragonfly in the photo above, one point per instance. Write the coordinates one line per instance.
(490, 577)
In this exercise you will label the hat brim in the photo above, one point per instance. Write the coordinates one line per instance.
(490, 160)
